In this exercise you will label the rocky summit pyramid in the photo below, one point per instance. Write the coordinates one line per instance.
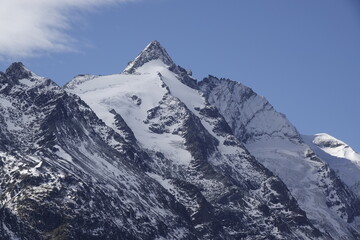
(152, 153)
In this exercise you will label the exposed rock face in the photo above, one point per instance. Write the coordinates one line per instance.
(152, 154)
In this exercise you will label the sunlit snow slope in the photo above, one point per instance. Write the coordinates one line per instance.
(340, 156)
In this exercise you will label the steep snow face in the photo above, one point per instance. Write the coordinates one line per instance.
(340, 156)
(132, 96)
(251, 116)
(271, 138)
(194, 154)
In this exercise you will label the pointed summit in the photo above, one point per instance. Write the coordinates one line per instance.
(17, 71)
(153, 51)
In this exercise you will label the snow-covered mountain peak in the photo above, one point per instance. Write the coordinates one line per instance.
(192, 152)
(332, 146)
(153, 51)
(327, 141)
(339, 155)
(151, 153)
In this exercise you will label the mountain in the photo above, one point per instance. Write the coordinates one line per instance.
(340, 157)
(269, 136)
(151, 153)
(66, 175)
(227, 193)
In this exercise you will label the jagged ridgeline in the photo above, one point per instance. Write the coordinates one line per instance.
(151, 153)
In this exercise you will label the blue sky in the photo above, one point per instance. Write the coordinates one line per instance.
(303, 56)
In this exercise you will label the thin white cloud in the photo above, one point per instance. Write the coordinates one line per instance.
(29, 27)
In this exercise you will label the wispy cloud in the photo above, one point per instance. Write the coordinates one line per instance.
(29, 27)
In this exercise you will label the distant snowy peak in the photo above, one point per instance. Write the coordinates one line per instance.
(334, 146)
(153, 51)
(340, 156)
